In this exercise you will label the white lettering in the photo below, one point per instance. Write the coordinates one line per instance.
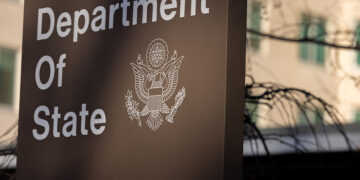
(83, 113)
(113, 9)
(68, 124)
(145, 5)
(50, 61)
(164, 7)
(60, 24)
(77, 30)
(55, 116)
(95, 121)
(182, 8)
(193, 7)
(124, 5)
(204, 9)
(97, 22)
(101, 18)
(60, 66)
(50, 12)
(41, 122)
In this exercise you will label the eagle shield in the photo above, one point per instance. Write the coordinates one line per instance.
(156, 80)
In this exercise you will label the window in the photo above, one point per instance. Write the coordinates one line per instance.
(307, 116)
(357, 116)
(254, 23)
(313, 28)
(357, 34)
(7, 68)
(252, 111)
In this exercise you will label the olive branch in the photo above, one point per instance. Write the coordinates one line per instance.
(132, 107)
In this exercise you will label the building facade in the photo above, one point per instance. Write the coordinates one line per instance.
(327, 72)
(11, 20)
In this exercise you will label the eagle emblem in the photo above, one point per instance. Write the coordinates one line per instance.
(156, 80)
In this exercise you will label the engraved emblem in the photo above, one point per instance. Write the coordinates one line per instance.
(156, 80)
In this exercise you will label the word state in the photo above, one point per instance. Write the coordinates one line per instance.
(69, 128)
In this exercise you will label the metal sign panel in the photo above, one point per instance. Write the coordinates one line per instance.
(148, 89)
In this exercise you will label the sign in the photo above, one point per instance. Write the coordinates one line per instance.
(143, 89)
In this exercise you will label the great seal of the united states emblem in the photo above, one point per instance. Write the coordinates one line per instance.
(156, 80)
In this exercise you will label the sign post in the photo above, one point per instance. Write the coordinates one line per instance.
(143, 89)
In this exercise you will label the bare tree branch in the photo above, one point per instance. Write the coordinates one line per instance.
(300, 40)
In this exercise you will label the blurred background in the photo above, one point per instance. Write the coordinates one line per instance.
(11, 20)
(302, 110)
(303, 71)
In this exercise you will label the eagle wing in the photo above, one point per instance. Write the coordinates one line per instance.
(141, 72)
(172, 72)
